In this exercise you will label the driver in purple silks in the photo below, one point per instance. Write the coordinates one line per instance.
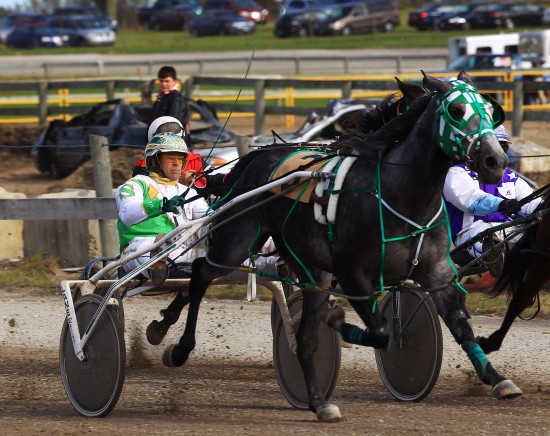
(474, 207)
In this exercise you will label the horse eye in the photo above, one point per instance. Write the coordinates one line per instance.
(456, 111)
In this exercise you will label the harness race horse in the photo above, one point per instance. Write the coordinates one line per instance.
(526, 270)
(388, 226)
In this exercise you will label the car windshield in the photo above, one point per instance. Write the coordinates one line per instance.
(89, 23)
(335, 13)
(452, 9)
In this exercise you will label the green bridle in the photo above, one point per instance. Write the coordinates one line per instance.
(451, 132)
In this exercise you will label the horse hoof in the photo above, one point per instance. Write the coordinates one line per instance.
(155, 333)
(335, 318)
(329, 413)
(506, 390)
(174, 356)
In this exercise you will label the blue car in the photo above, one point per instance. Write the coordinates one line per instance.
(220, 22)
(34, 36)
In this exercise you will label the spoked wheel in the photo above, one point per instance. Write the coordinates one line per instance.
(287, 367)
(93, 386)
(410, 369)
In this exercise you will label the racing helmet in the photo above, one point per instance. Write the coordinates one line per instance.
(171, 124)
(501, 134)
(163, 143)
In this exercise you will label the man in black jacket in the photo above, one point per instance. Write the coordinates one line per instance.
(170, 101)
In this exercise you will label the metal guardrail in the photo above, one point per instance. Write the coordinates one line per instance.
(267, 64)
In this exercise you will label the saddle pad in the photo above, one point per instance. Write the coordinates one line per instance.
(293, 162)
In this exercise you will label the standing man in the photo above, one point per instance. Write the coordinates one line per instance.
(170, 101)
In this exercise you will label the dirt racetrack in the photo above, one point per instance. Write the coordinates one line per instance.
(229, 386)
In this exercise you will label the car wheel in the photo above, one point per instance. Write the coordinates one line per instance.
(302, 32)
(509, 23)
(388, 27)
(346, 31)
(466, 26)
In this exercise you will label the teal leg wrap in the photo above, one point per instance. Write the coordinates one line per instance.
(477, 357)
(353, 334)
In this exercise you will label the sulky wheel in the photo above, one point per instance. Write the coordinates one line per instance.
(287, 368)
(93, 386)
(410, 369)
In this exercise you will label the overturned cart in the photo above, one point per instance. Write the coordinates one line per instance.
(92, 346)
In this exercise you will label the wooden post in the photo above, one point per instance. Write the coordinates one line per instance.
(346, 90)
(43, 103)
(110, 90)
(259, 107)
(189, 87)
(517, 110)
(103, 183)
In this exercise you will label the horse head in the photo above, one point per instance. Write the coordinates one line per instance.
(465, 124)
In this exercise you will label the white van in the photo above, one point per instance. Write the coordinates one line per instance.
(499, 44)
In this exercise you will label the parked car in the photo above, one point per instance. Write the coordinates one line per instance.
(354, 18)
(512, 15)
(295, 24)
(487, 61)
(466, 16)
(83, 30)
(174, 18)
(63, 145)
(34, 36)
(421, 17)
(248, 9)
(221, 22)
(6, 26)
(78, 10)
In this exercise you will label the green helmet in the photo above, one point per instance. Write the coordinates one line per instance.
(163, 143)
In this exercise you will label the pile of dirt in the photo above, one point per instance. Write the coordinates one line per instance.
(122, 164)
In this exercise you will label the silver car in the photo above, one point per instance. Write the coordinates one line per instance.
(83, 30)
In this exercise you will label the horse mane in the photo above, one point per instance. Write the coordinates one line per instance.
(379, 131)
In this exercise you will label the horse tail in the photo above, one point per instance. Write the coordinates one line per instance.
(515, 266)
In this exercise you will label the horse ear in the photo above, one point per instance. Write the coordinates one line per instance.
(465, 78)
(433, 84)
(410, 91)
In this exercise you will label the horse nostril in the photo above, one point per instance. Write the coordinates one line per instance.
(490, 162)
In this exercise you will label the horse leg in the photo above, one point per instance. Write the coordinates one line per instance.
(314, 308)
(376, 334)
(449, 308)
(202, 275)
(156, 330)
(177, 354)
(522, 298)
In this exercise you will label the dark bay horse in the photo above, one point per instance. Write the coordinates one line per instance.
(526, 270)
(394, 186)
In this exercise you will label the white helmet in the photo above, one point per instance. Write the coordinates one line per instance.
(164, 120)
(163, 143)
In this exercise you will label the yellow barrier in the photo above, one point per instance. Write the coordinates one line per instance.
(289, 96)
